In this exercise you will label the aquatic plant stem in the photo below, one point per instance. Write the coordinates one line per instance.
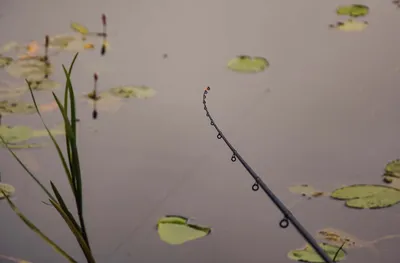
(288, 216)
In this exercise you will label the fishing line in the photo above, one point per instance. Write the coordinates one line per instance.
(287, 215)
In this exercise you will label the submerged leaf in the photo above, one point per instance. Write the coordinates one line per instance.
(308, 254)
(5, 61)
(140, 92)
(8, 189)
(306, 190)
(367, 196)
(8, 107)
(15, 134)
(338, 237)
(175, 230)
(247, 64)
(353, 10)
(350, 25)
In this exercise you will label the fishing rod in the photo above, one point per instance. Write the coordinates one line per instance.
(287, 215)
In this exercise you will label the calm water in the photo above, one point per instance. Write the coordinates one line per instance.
(324, 113)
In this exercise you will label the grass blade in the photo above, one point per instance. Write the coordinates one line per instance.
(27, 170)
(60, 154)
(37, 230)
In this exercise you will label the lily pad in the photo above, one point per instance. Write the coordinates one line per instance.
(247, 64)
(69, 43)
(306, 190)
(7, 189)
(393, 169)
(5, 61)
(16, 135)
(45, 84)
(308, 254)
(175, 230)
(13, 107)
(353, 10)
(105, 102)
(29, 69)
(140, 92)
(79, 28)
(12, 45)
(350, 25)
(365, 196)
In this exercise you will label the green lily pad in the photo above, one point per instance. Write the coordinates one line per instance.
(12, 45)
(69, 42)
(105, 102)
(367, 196)
(29, 69)
(5, 61)
(16, 136)
(393, 169)
(308, 254)
(140, 92)
(175, 230)
(14, 107)
(8, 189)
(353, 10)
(306, 190)
(350, 25)
(45, 84)
(247, 64)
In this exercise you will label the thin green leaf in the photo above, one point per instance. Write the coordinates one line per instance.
(60, 154)
(64, 206)
(27, 170)
(37, 230)
(76, 232)
(75, 157)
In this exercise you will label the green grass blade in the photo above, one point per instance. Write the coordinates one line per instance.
(64, 206)
(66, 110)
(27, 170)
(82, 242)
(60, 154)
(75, 156)
(37, 230)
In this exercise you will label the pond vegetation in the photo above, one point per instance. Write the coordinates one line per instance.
(32, 63)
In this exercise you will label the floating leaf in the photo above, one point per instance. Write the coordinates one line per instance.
(9, 46)
(393, 168)
(247, 64)
(79, 28)
(140, 92)
(175, 230)
(306, 190)
(19, 134)
(8, 107)
(350, 25)
(29, 69)
(338, 237)
(353, 10)
(7, 189)
(69, 43)
(367, 196)
(308, 254)
(45, 84)
(105, 102)
(5, 61)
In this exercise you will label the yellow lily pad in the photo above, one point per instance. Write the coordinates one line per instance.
(353, 10)
(350, 25)
(79, 28)
(175, 230)
(7, 189)
(247, 64)
(393, 169)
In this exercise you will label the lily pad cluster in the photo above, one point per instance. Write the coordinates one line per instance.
(175, 230)
(247, 64)
(308, 254)
(353, 11)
